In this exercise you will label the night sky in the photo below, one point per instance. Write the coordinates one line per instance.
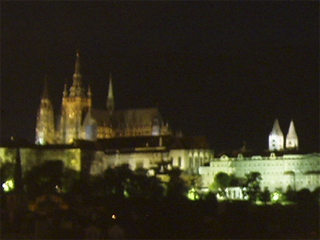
(225, 70)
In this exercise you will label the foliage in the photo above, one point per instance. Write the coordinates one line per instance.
(121, 182)
(6, 171)
(176, 187)
(69, 177)
(252, 185)
(44, 178)
(142, 186)
(220, 183)
(235, 181)
(265, 195)
(290, 194)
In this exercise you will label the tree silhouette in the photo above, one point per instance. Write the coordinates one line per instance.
(220, 183)
(44, 178)
(265, 195)
(252, 185)
(176, 187)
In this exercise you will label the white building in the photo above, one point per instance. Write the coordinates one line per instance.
(277, 171)
(276, 138)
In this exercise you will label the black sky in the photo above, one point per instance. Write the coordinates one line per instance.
(221, 69)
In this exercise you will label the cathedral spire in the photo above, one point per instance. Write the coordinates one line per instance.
(276, 139)
(45, 133)
(89, 93)
(77, 65)
(276, 130)
(65, 91)
(110, 99)
(76, 89)
(292, 137)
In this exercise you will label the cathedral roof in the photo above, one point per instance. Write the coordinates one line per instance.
(89, 120)
(122, 118)
(101, 116)
(136, 117)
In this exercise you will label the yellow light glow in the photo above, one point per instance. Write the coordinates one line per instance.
(113, 216)
(8, 186)
(193, 195)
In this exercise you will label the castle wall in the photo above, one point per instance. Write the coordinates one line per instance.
(31, 157)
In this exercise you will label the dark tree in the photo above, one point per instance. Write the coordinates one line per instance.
(252, 185)
(221, 182)
(290, 194)
(265, 195)
(44, 178)
(143, 186)
(176, 187)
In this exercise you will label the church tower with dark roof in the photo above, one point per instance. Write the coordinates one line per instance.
(45, 131)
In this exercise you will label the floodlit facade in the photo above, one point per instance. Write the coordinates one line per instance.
(79, 121)
(277, 141)
(45, 132)
(93, 158)
(277, 171)
(292, 138)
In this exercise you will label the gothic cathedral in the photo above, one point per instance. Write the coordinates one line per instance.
(78, 120)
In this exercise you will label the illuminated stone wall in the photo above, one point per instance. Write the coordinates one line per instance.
(297, 170)
(190, 159)
(31, 157)
(7, 155)
(139, 159)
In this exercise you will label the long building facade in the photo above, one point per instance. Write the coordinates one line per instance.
(278, 170)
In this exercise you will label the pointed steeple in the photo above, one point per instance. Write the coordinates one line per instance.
(77, 65)
(276, 130)
(45, 119)
(110, 99)
(76, 88)
(292, 137)
(89, 93)
(65, 91)
(276, 139)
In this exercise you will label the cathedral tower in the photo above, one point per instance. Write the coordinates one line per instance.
(110, 99)
(45, 132)
(292, 137)
(75, 105)
(276, 139)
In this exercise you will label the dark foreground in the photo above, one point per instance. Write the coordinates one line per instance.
(164, 219)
